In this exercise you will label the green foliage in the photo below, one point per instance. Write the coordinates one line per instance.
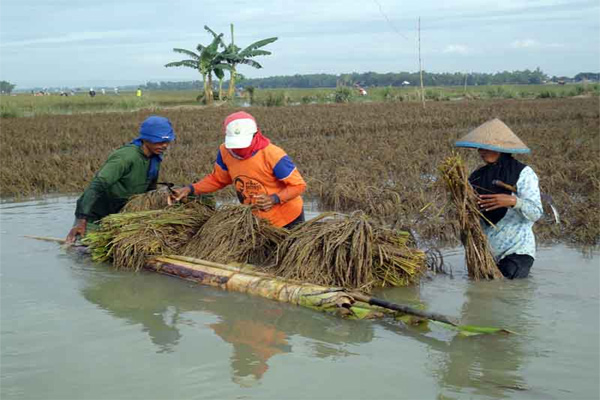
(431, 94)
(10, 110)
(250, 90)
(501, 92)
(6, 87)
(370, 79)
(274, 100)
(546, 94)
(343, 94)
(577, 90)
(591, 76)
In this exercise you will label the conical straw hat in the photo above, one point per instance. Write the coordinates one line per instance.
(493, 135)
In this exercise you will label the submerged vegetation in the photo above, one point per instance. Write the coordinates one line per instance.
(381, 158)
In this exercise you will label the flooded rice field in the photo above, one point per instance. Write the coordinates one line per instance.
(72, 329)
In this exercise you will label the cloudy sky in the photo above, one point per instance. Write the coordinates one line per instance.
(118, 42)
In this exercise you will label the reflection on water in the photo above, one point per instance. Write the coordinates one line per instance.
(490, 365)
(257, 329)
(74, 329)
(138, 302)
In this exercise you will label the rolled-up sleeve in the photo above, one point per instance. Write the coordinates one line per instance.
(529, 202)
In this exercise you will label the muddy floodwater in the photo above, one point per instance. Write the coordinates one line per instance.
(72, 329)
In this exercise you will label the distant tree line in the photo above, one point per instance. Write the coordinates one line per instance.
(525, 77)
(172, 85)
(370, 79)
(6, 87)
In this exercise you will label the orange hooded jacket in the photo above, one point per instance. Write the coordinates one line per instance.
(269, 171)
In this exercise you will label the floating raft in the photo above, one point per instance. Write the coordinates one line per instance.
(337, 301)
(245, 279)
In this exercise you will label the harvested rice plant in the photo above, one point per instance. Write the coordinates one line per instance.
(127, 239)
(381, 158)
(479, 260)
(349, 251)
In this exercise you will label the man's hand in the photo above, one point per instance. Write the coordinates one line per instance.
(178, 194)
(491, 202)
(77, 230)
(263, 202)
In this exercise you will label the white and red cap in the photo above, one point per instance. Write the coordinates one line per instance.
(239, 128)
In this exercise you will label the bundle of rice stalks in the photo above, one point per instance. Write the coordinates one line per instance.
(349, 251)
(151, 200)
(235, 234)
(157, 200)
(479, 259)
(129, 238)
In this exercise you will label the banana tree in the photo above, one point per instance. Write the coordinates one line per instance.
(205, 61)
(234, 56)
(219, 63)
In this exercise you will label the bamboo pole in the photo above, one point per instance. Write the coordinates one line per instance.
(331, 300)
(361, 297)
(46, 239)
(421, 67)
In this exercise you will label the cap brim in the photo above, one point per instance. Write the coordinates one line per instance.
(238, 142)
(474, 145)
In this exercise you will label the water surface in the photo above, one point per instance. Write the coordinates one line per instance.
(72, 329)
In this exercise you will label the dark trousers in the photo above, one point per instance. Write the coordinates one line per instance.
(295, 222)
(515, 266)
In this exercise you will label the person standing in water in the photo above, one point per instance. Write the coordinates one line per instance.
(262, 173)
(131, 169)
(508, 215)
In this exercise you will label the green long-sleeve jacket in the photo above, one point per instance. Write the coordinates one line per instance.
(124, 174)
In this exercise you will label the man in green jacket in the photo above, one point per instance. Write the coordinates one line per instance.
(131, 169)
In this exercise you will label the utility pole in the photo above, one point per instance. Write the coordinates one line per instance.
(420, 66)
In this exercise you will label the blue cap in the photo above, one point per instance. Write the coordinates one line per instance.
(157, 129)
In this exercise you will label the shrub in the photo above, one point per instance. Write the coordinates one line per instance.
(546, 94)
(10, 111)
(343, 94)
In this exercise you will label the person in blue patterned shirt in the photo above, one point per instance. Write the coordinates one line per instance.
(509, 196)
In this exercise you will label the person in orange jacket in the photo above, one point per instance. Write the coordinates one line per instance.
(263, 174)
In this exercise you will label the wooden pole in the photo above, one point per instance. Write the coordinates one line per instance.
(421, 66)
(404, 309)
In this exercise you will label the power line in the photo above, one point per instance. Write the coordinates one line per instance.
(389, 21)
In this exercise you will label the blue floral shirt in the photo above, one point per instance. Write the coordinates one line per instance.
(513, 234)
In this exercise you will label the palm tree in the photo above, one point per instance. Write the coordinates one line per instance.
(206, 60)
(234, 56)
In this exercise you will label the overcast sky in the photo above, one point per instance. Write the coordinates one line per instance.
(117, 42)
